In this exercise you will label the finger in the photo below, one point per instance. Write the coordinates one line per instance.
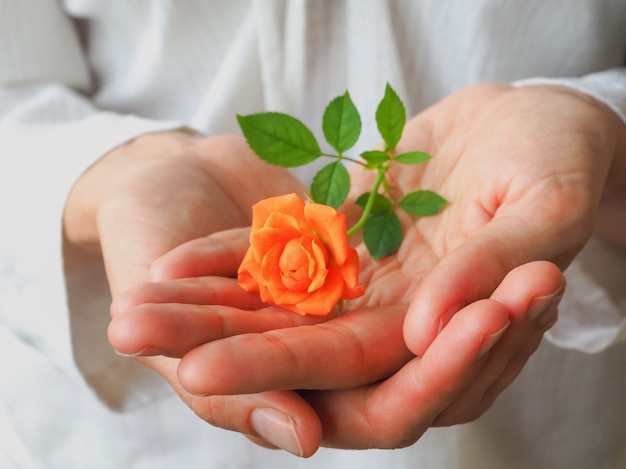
(540, 314)
(451, 285)
(519, 360)
(461, 412)
(399, 410)
(531, 294)
(280, 419)
(471, 272)
(359, 347)
(217, 255)
(198, 291)
(175, 329)
(167, 318)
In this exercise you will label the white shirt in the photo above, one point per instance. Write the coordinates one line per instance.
(79, 77)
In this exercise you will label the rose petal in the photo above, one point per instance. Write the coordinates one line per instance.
(299, 257)
(331, 227)
(296, 264)
(270, 271)
(273, 284)
(287, 222)
(350, 271)
(320, 257)
(267, 238)
(283, 297)
(323, 300)
(245, 279)
(289, 204)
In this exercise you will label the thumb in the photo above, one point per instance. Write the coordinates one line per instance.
(471, 272)
(219, 254)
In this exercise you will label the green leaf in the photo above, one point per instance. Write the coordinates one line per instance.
(341, 123)
(331, 185)
(279, 139)
(413, 157)
(374, 158)
(390, 118)
(380, 201)
(422, 203)
(382, 233)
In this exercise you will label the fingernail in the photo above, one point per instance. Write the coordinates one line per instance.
(131, 355)
(276, 428)
(542, 309)
(490, 340)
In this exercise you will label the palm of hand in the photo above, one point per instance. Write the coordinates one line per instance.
(521, 189)
(165, 199)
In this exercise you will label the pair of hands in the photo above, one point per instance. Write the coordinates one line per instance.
(446, 323)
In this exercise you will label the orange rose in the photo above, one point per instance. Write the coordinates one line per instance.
(299, 257)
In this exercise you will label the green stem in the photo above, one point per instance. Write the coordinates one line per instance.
(343, 157)
(370, 202)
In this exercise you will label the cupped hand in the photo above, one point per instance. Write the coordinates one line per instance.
(372, 392)
(160, 190)
(525, 171)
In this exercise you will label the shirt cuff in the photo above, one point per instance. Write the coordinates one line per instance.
(608, 87)
(592, 314)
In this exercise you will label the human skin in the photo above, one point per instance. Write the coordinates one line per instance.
(157, 191)
(528, 172)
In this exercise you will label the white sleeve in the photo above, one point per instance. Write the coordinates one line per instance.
(50, 132)
(608, 87)
(593, 311)
(592, 315)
